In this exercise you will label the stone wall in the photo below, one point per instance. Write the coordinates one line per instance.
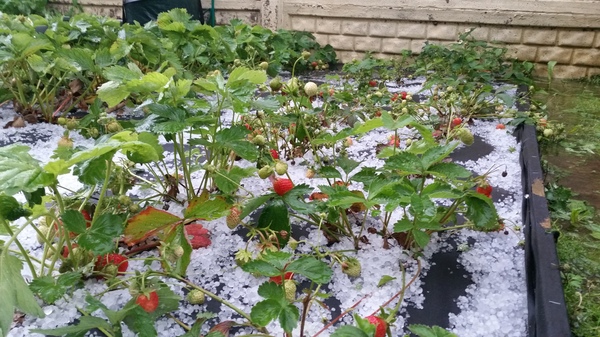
(565, 31)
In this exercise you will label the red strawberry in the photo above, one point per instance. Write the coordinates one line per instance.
(372, 83)
(394, 141)
(394, 97)
(403, 94)
(247, 126)
(112, 259)
(274, 154)
(456, 121)
(65, 250)
(197, 235)
(314, 64)
(148, 303)
(87, 217)
(380, 325)
(500, 126)
(485, 189)
(277, 279)
(282, 186)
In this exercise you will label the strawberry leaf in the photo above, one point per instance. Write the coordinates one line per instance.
(146, 223)
(275, 217)
(14, 293)
(74, 221)
(405, 162)
(178, 237)
(86, 323)
(436, 154)
(385, 279)
(481, 210)
(261, 267)
(295, 199)
(313, 269)
(426, 331)
(277, 259)
(21, 172)
(348, 331)
(448, 171)
(229, 181)
(271, 290)
(204, 208)
(100, 237)
(421, 238)
(50, 289)
(329, 172)
(140, 322)
(254, 204)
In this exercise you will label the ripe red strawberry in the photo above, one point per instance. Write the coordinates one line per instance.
(282, 186)
(148, 303)
(456, 121)
(65, 250)
(372, 83)
(314, 64)
(118, 260)
(500, 126)
(380, 325)
(403, 94)
(274, 154)
(485, 189)
(277, 279)
(87, 217)
(394, 97)
(394, 141)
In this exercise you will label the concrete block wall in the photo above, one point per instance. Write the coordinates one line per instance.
(565, 31)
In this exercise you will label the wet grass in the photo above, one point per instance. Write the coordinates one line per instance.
(573, 182)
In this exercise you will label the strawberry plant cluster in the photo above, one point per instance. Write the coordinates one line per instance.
(234, 135)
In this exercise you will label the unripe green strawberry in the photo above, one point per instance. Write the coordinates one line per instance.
(233, 218)
(292, 85)
(311, 89)
(548, 132)
(111, 270)
(264, 65)
(293, 243)
(305, 54)
(310, 173)
(290, 290)
(65, 142)
(275, 84)
(134, 289)
(93, 132)
(465, 136)
(113, 126)
(259, 140)
(134, 208)
(196, 297)
(281, 167)
(61, 121)
(178, 251)
(265, 172)
(44, 230)
(124, 200)
(351, 267)
(72, 124)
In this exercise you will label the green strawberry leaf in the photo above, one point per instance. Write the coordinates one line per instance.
(140, 322)
(253, 204)
(234, 138)
(347, 164)
(275, 217)
(271, 290)
(385, 279)
(313, 269)
(329, 172)
(229, 181)
(178, 237)
(421, 238)
(261, 267)
(481, 211)
(277, 259)
(295, 199)
(14, 293)
(100, 237)
(403, 225)
(112, 93)
(426, 331)
(436, 154)
(50, 289)
(405, 162)
(74, 221)
(348, 331)
(448, 171)
(86, 323)
(263, 312)
(21, 172)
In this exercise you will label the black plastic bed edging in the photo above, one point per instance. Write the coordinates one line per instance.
(547, 313)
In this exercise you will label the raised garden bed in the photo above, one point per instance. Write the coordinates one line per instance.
(406, 200)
